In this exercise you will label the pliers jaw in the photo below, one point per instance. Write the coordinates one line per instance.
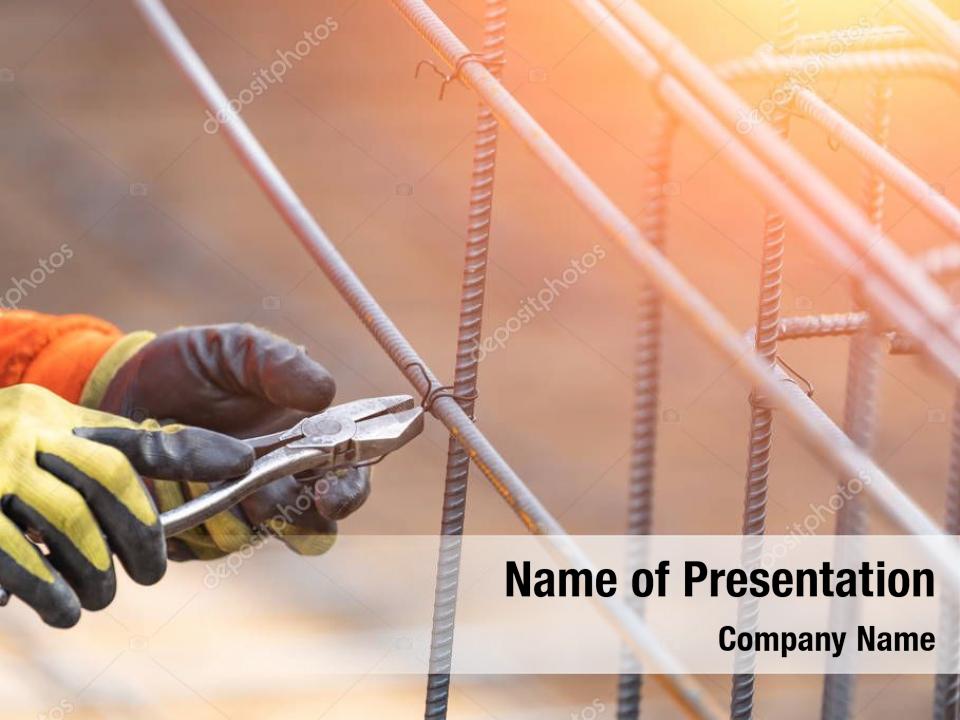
(360, 431)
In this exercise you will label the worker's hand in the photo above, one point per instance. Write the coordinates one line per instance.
(70, 477)
(244, 381)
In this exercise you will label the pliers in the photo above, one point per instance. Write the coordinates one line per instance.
(355, 433)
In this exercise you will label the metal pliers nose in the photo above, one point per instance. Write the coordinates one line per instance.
(360, 432)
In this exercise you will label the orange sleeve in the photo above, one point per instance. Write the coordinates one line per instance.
(57, 352)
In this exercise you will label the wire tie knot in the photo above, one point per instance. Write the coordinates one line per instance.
(435, 392)
(462, 61)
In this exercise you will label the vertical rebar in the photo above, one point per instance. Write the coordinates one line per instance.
(646, 388)
(859, 421)
(761, 416)
(465, 372)
(946, 703)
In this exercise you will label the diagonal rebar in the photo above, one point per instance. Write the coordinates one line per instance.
(887, 167)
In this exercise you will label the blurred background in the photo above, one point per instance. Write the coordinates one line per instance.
(103, 149)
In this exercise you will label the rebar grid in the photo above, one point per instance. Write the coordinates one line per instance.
(820, 433)
(914, 305)
(453, 515)
(835, 227)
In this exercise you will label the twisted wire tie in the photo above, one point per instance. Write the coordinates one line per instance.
(435, 392)
(446, 79)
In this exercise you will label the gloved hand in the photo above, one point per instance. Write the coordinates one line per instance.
(70, 478)
(244, 381)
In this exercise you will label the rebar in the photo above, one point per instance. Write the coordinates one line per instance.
(827, 325)
(919, 299)
(946, 703)
(646, 391)
(886, 166)
(859, 37)
(479, 221)
(929, 22)
(761, 415)
(860, 405)
(942, 262)
(807, 68)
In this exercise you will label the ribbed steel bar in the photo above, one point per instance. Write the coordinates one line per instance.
(646, 391)
(892, 63)
(857, 37)
(827, 325)
(535, 517)
(760, 440)
(860, 405)
(920, 297)
(816, 429)
(880, 161)
(480, 216)
(946, 700)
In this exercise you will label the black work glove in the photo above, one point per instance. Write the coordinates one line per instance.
(242, 381)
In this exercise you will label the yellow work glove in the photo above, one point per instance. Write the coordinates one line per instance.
(70, 478)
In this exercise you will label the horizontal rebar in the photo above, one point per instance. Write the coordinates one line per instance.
(906, 296)
(860, 37)
(890, 63)
(826, 325)
(880, 160)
